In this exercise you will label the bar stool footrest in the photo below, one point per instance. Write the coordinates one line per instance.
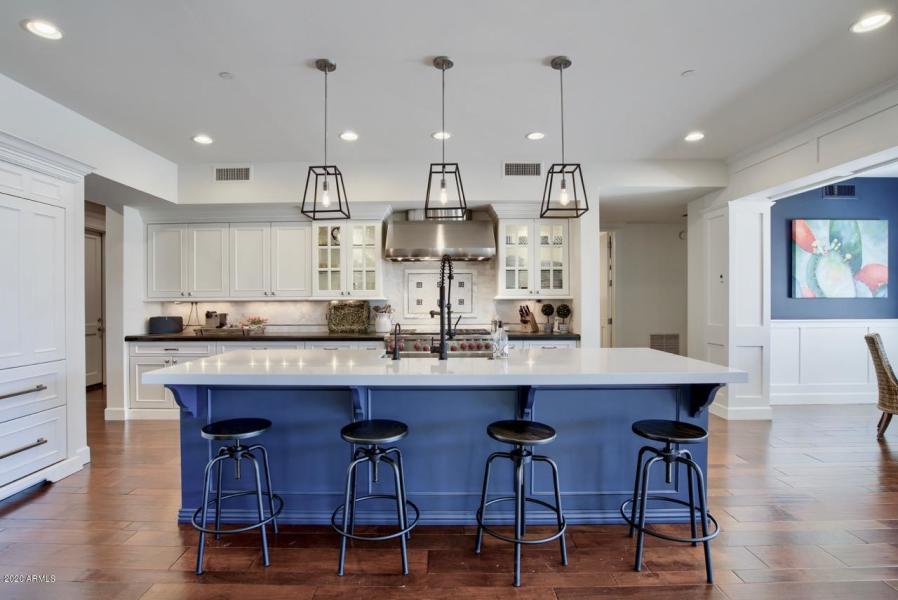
(486, 528)
(254, 525)
(380, 538)
(624, 509)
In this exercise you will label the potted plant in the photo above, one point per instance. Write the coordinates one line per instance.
(564, 312)
(548, 310)
(254, 323)
(383, 318)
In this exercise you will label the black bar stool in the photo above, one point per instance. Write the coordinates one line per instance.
(521, 434)
(669, 433)
(373, 434)
(236, 430)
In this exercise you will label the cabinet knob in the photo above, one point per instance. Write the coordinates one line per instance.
(190, 293)
(272, 293)
(182, 293)
(266, 293)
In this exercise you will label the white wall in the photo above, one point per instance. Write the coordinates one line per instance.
(28, 115)
(649, 284)
(834, 146)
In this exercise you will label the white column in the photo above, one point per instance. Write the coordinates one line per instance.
(585, 275)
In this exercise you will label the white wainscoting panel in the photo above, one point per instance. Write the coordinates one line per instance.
(826, 361)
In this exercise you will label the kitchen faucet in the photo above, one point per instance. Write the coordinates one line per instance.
(445, 305)
(397, 331)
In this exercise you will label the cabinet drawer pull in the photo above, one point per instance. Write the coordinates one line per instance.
(38, 388)
(38, 442)
(330, 348)
(170, 349)
(549, 347)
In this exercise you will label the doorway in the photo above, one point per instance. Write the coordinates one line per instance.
(606, 280)
(94, 317)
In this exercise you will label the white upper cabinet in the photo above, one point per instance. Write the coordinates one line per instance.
(347, 259)
(33, 269)
(166, 261)
(290, 260)
(207, 256)
(250, 260)
(533, 258)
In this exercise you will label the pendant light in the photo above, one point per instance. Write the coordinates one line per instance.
(325, 195)
(449, 202)
(564, 195)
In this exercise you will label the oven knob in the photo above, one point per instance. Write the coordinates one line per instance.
(463, 346)
(453, 348)
(402, 346)
(488, 346)
(390, 347)
(479, 346)
(417, 346)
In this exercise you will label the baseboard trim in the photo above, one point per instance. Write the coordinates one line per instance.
(153, 414)
(818, 398)
(746, 413)
(114, 414)
(53, 473)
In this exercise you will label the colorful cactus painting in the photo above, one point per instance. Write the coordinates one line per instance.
(840, 259)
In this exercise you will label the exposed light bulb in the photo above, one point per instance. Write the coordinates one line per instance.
(444, 196)
(325, 196)
(563, 198)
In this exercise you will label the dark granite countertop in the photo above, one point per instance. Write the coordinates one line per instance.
(312, 337)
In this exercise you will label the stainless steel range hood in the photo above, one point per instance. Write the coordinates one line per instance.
(431, 240)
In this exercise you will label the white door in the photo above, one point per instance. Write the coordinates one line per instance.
(250, 260)
(93, 307)
(327, 254)
(290, 260)
(32, 269)
(149, 395)
(606, 298)
(363, 259)
(550, 260)
(716, 326)
(166, 261)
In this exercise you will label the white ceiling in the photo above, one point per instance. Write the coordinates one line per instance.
(148, 70)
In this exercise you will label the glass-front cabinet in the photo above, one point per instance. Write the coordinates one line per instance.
(346, 257)
(533, 258)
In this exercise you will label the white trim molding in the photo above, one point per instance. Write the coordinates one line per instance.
(20, 152)
(825, 361)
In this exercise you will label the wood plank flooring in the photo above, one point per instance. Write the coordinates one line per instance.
(808, 506)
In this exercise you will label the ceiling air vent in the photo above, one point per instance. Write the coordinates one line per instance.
(665, 342)
(523, 169)
(839, 190)
(232, 173)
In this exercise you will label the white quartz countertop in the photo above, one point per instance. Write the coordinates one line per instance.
(536, 367)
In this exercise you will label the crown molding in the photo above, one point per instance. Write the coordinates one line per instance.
(23, 153)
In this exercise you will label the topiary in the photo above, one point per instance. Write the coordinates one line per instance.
(548, 310)
(563, 312)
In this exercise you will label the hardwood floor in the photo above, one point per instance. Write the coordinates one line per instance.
(808, 506)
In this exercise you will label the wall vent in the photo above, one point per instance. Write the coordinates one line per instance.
(523, 169)
(233, 173)
(665, 342)
(839, 190)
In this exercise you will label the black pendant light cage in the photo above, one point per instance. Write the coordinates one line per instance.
(564, 194)
(325, 179)
(444, 178)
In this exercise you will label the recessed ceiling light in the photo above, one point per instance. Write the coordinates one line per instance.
(349, 136)
(441, 135)
(44, 29)
(535, 135)
(226, 75)
(202, 138)
(694, 136)
(871, 22)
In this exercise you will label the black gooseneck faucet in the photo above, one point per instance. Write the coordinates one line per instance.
(397, 331)
(445, 305)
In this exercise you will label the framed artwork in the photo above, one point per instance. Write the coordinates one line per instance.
(840, 258)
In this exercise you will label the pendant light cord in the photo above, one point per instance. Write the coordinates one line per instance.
(561, 85)
(443, 126)
(325, 117)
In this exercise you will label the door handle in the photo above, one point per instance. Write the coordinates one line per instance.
(38, 388)
(38, 442)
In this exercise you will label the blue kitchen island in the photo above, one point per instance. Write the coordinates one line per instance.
(591, 397)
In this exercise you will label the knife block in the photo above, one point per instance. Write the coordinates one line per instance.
(530, 324)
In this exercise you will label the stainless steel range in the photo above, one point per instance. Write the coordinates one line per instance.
(465, 343)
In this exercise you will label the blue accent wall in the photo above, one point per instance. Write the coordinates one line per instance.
(877, 198)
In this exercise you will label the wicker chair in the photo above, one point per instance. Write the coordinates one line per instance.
(886, 382)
